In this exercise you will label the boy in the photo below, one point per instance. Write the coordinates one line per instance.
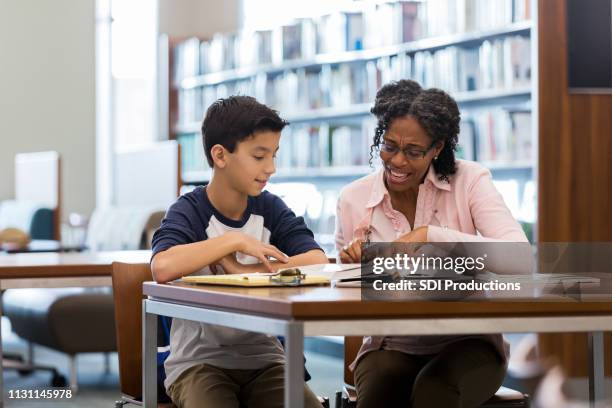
(231, 226)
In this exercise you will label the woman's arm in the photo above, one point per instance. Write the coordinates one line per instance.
(349, 250)
(507, 247)
(339, 232)
(491, 217)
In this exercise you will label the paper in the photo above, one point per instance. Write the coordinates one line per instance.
(250, 280)
(333, 271)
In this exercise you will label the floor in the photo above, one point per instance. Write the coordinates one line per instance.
(100, 390)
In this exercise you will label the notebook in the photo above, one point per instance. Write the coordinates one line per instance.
(252, 280)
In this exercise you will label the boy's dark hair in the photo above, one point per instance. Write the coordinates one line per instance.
(234, 119)
(435, 110)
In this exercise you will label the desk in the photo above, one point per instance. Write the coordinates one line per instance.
(56, 270)
(317, 311)
(46, 245)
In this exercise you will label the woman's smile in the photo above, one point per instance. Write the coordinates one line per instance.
(397, 176)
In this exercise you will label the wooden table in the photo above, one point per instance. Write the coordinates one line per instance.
(45, 245)
(53, 270)
(316, 311)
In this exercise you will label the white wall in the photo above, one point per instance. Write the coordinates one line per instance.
(47, 92)
(200, 18)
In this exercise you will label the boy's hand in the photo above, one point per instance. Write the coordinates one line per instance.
(231, 265)
(251, 246)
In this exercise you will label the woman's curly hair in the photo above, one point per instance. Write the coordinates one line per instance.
(435, 110)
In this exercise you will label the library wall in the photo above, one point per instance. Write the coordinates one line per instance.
(575, 171)
(186, 18)
(47, 83)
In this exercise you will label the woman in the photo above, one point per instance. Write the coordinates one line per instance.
(423, 194)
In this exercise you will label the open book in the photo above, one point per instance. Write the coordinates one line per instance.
(320, 274)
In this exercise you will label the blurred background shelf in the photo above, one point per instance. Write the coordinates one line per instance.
(426, 44)
(342, 114)
(347, 173)
(325, 89)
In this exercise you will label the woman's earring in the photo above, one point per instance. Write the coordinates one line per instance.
(436, 158)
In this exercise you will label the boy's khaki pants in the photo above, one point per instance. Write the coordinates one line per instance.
(206, 386)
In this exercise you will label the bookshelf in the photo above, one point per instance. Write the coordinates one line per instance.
(483, 97)
(425, 44)
(326, 90)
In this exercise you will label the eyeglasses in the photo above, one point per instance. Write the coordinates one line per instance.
(409, 152)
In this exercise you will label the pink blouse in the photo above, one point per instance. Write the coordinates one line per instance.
(454, 211)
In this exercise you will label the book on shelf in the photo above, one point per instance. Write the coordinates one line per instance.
(339, 32)
(322, 146)
(245, 49)
(466, 148)
(502, 136)
(291, 42)
(186, 60)
(499, 64)
(393, 23)
(446, 17)
(442, 17)
(521, 10)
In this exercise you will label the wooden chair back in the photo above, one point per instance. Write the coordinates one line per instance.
(352, 344)
(127, 291)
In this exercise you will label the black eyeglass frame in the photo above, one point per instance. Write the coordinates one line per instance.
(409, 152)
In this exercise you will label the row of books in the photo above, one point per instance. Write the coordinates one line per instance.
(497, 135)
(366, 26)
(303, 147)
(321, 146)
(499, 64)
(443, 17)
(503, 64)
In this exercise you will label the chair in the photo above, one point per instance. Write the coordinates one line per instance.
(347, 398)
(127, 289)
(61, 319)
(28, 216)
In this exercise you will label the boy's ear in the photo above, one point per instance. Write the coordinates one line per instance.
(219, 156)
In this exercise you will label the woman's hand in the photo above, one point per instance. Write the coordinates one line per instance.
(351, 252)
